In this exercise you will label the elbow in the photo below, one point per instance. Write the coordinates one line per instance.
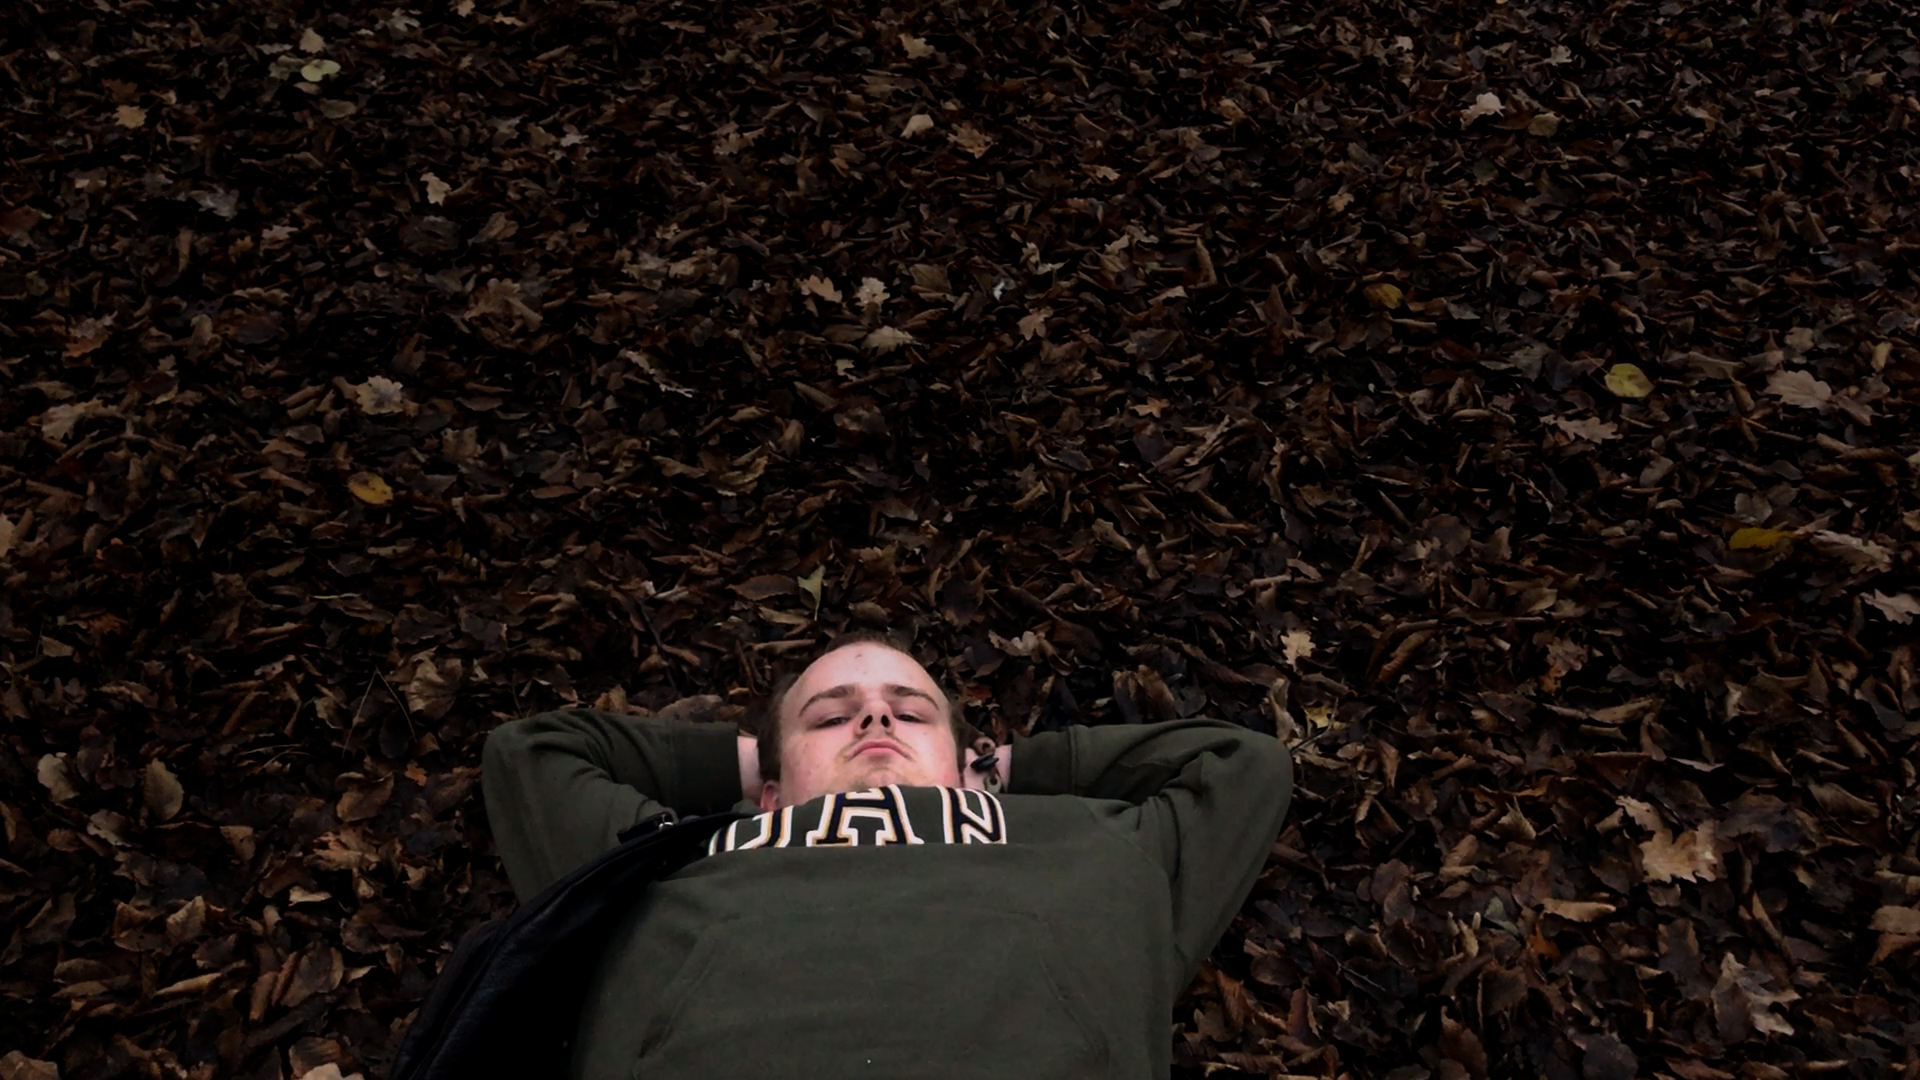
(1271, 762)
(504, 747)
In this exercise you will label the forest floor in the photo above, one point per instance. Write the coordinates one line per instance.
(1510, 406)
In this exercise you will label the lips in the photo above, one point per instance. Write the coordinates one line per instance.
(868, 748)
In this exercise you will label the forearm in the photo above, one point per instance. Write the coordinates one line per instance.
(1210, 796)
(748, 749)
(560, 786)
(1130, 762)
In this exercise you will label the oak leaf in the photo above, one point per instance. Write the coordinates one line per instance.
(815, 285)
(1590, 430)
(1900, 607)
(1692, 856)
(379, 396)
(885, 339)
(1799, 388)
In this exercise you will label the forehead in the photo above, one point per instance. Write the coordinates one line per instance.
(865, 663)
(860, 664)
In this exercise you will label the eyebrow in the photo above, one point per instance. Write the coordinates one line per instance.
(847, 690)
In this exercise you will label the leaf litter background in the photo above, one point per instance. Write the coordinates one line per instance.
(377, 375)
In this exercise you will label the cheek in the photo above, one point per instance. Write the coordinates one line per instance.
(935, 746)
(811, 752)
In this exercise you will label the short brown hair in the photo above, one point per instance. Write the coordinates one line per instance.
(768, 730)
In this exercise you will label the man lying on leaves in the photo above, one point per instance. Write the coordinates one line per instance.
(882, 916)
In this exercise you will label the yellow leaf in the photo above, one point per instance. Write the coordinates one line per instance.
(1627, 380)
(311, 42)
(1764, 539)
(370, 489)
(811, 585)
(315, 70)
(130, 116)
(1384, 295)
(437, 188)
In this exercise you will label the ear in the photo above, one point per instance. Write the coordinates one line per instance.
(770, 796)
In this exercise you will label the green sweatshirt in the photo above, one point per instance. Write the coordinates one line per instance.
(898, 932)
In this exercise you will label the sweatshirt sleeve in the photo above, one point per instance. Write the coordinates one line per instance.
(560, 786)
(1211, 798)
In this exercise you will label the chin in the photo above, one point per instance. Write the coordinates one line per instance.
(879, 776)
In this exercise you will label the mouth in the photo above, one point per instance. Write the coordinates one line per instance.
(878, 747)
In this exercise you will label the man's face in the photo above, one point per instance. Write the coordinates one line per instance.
(860, 717)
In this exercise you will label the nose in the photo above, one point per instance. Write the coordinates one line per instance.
(885, 718)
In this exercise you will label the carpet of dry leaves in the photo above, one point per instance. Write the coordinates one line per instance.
(1510, 405)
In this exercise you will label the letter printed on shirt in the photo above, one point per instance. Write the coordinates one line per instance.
(882, 811)
(973, 817)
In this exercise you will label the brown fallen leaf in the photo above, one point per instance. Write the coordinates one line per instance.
(56, 777)
(1897, 920)
(15, 1065)
(1743, 1002)
(162, 791)
(971, 139)
(318, 971)
(364, 801)
(58, 422)
(1589, 429)
(240, 838)
(1579, 910)
(192, 985)
(380, 396)
(1487, 104)
(1692, 856)
(1800, 389)
(327, 1071)
(1900, 607)
(188, 923)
